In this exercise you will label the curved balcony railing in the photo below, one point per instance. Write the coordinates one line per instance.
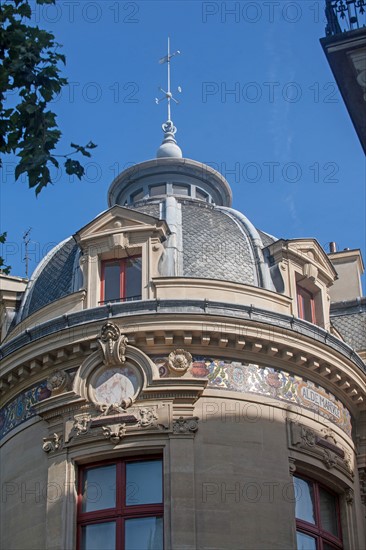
(344, 16)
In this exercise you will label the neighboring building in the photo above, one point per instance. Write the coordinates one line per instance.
(173, 377)
(345, 49)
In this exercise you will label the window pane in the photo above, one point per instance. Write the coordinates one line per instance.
(157, 190)
(133, 277)
(99, 536)
(144, 482)
(99, 488)
(308, 310)
(328, 512)
(137, 195)
(112, 289)
(201, 195)
(304, 542)
(180, 189)
(304, 500)
(144, 533)
(327, 546)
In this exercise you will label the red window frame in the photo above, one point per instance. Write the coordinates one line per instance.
(121, 512)
(302, 295)
(315, 530)
(122, 277)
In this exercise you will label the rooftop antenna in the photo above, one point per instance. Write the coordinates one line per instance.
(168, 126)
(26, 239)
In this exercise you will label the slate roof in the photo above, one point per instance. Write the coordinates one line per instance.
(349, 318)
(214, 246)
(266, 239)
(53, 279)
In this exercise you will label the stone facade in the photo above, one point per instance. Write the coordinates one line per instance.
(212, 370)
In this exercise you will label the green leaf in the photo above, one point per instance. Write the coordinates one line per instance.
(74, 167)
(25, 10)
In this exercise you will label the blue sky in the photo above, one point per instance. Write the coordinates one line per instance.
(259, 104)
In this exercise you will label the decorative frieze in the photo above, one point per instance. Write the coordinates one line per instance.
(21, 408)
(278, 384)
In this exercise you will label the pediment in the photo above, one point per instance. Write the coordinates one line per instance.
(310, 251)
(119, 219)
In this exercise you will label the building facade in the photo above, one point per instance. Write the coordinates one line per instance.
(173, 377)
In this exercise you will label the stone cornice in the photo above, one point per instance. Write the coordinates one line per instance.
(246, 340)
(133, 311)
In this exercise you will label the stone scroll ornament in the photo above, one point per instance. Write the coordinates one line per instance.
(113, 344)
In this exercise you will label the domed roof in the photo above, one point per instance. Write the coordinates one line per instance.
(214, 240)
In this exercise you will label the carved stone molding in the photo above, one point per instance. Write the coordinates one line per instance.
(52, 443)
(292, 466)
(185, 425)
(58, 382)
(114, 432)
(349, 495)
(116, 423)
(322, 446)
(113, 344)
(82, 423)
(148, 418)
(179, 361)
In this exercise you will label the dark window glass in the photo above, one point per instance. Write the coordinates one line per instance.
(112, 281)
(180, 189)
(328, 511)
(99, 488)
(157, 190)
(201, 195)
(144, 533)
(144, 482)
(137, 195)
(99, 536)
(304, 500)
(305, 542)
(132, 277)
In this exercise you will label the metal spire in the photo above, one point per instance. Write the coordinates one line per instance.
(168, 126)
(27, 240)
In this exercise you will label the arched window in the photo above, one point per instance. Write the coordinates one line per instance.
(317, 516)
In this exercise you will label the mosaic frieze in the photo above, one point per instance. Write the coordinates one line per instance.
(277, 384)
(21, 408)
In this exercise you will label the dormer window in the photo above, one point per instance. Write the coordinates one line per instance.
(121, 280)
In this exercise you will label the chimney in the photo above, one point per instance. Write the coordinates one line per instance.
(332, 247)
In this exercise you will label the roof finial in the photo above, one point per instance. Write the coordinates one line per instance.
(169, 147)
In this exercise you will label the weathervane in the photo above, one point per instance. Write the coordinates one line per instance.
(168, 126)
